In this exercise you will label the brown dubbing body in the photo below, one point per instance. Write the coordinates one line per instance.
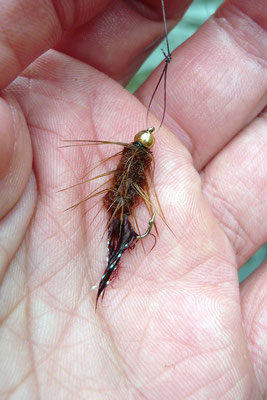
(130, 174)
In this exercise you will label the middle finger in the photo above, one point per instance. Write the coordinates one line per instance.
(119, 39)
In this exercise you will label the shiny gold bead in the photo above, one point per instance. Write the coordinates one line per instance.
(145, 138)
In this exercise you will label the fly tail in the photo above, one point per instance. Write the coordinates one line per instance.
(120, 236)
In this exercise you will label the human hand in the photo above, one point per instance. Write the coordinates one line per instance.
(175, 324)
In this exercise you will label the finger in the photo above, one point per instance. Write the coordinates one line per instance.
(254, 312)
(217, 80)
(15, 154)
(118, 40)
(235, 184)
(29, 28)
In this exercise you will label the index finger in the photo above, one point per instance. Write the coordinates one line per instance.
(31, 27)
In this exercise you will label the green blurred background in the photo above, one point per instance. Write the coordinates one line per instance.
(199, 12)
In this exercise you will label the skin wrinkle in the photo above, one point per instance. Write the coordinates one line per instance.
(29, 330)
(64, 331)
(35, 266)
(222, 289)
(110, 359)
(253, 318)
(5, 260)
(189, 142)
(237, 383)
(210, 285)
(228, 228)
(143, 397)
(61, 366)
(249, 395)
(113, 347)
(9, 142)
(32, 90)
(220, 285)
(75, 377)
(62, 15)
(69, 313)
(189, 357)
(260, 61)
(14, 55)
(230, 389)
(45, 281)
(14, 333)
(15, 306)
(238, 233)
(186, 359)
(60, 228)
(127, 293)
(209, 190)
(189, 397)
(247, 301)
(131, 278)
(222, 19)
(206, 260)
(66, 236)
(142, 338)
(17, 386)
(85, 232)
(57, 300)
(162, 374)
(2, 278)
(70, 165)
(61, 384)
(31, 371)
(11, 311)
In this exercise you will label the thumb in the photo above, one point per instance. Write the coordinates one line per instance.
(15, 154)
(29, 28)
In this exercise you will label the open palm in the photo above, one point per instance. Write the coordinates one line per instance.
(174, 324)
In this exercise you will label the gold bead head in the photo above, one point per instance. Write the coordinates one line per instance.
(145, 138)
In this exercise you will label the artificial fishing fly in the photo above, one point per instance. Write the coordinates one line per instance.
(129, 185)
